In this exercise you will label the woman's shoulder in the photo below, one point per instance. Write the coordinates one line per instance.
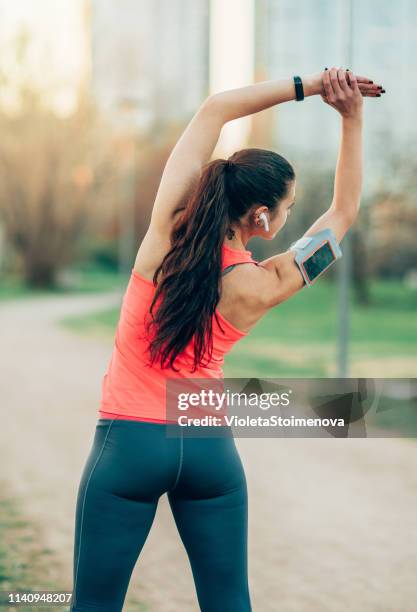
(243, 294)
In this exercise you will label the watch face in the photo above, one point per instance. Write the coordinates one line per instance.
(319, 261)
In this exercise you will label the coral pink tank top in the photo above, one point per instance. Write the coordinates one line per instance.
(132, 390)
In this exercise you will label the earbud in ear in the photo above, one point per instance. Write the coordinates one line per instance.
(264, 218)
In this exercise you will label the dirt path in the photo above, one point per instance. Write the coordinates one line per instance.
(333, 524)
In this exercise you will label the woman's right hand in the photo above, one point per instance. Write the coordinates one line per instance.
(345, 97)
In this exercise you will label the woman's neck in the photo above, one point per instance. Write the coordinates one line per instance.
(238, 241)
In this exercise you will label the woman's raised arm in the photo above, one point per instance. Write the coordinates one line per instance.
(196, 145)
(347, 100)
(235, 103)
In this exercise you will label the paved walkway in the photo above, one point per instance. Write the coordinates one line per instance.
(333, 524)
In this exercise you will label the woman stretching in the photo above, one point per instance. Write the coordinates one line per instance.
(187, 303)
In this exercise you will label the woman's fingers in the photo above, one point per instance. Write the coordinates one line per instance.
(343, 90)
(361, 79)
(368, 88)
(371, 94)
(344, 87)
(364, 81)
(354, 83)
(328, 89)
(335, 81)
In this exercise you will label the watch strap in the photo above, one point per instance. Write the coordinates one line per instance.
(299, 90)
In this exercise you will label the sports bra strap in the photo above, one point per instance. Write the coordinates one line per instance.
(230, 268)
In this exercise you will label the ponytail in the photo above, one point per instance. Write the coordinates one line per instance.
(191, 272)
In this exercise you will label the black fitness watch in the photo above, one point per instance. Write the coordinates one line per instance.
(299, 90)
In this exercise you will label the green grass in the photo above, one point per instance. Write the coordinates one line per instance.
(311, 316)
(298, 338)
(99, 324)
(26, 564)
(85, 278)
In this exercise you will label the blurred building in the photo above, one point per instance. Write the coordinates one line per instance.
(149, 58)
(295, 38)
(303, 36)
(150, 65)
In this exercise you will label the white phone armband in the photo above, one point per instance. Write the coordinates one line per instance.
(316, 253)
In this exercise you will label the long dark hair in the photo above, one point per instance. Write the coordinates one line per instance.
(189, 286)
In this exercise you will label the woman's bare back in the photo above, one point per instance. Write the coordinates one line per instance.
(240, 303)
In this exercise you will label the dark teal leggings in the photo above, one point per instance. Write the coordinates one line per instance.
(130, 465)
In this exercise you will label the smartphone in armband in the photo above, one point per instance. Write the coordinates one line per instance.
(315, 254)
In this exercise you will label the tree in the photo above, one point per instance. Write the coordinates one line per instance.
(55, 173)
